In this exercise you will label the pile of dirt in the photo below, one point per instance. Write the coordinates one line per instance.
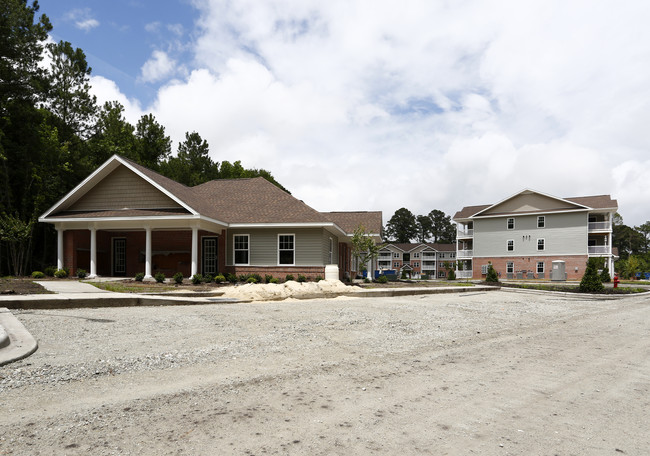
(9, 286)
(289, 289)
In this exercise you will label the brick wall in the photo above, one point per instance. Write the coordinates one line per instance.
(280, 272)
(530, 264)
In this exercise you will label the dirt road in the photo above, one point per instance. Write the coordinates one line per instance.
(499, 373)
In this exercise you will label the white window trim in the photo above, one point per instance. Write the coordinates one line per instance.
(543, 245)
(543, 267)
(395, 264)
(395, 255)
(543, 221)
(510, 264)
(513, 223)
(234, 256)
(513, 245)
(331, 253)
(293, 250)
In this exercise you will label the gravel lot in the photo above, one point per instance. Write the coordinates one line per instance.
(498, 373)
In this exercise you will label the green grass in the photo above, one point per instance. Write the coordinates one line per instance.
(573, 289)
(118, 287)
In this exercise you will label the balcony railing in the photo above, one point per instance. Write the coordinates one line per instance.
(600, 226)
(463, 274)
(465, 233)
(599, 249)
(465, 253)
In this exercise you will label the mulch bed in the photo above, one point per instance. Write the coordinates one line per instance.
(20, 287)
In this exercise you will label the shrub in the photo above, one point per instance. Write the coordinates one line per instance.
(197, 279)
(139, 277)
(604, 276)
(451, 275)
(61, 274)
(50, 270)
(289, 277)
(178, 278)
(219, 278)
(382, 279)
(232, 278)
(404, 275)
(491, 276)
(257, 277)
(301, 278)
(81, 273)
(425, 276)
(274, 280)
(590, 282)
(267, 278)
(243, 277)
(207, 278)
(366, 280)
(318, 279)
(160, 277)
(251, 279)
(38, 275)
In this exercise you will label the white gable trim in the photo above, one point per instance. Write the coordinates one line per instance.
(571, 203)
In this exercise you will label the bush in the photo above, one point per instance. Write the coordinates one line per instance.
(207, 278)
(232, 278)
(38, 275)
(257, 277)
(604, 276)
(61, 273)
(591, 282)
(301, 278)
(289, 277)
(219, 278)
(491, 276)
(197, 279)
(160, 277)
(139, 277)
(81, 273)
(318, 279)
(243, 277)
(251, 279)
(50, 270)
(267, 278)
(178, 278)
(451, 275)
(382, 279)
(404, 275)
(366, 280)
(274, 280)
(425, 276)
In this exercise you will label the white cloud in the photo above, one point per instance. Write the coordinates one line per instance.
(106, 90)
(158, 67)
(82, 19)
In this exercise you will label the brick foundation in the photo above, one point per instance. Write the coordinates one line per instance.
(280, 272)
(530, 264)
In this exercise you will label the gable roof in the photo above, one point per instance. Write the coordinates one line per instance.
(553, 204)
(409, 247)
(349, 221)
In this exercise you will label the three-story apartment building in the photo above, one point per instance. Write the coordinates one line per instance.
(523, 234)
(417, 259)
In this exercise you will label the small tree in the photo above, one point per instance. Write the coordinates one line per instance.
(492, 276)
(364, 248)
(604, 275)
(591, 282)
(17, 235)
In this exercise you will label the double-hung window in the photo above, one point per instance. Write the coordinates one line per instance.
(510, 267)
(540, 244)
(510, 223)
(242, 249)
(541, 221)
(331, 252)
(540, 267)
(511, 245)
(286, 249)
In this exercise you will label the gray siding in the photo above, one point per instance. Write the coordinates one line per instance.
(564, 234)
(326, 248)
(310, 246)
(123, 189)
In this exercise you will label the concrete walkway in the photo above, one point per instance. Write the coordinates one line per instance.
(15, 341)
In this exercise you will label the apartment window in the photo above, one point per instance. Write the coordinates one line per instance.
(241, 246)
(396, 265)
(395, 255)
(541, 221)
(484, 269)
(416, 255)
(286, 249)
(510, 267)
(511, 245)
(452, 255)
(540, 267)
(416, 264)
(510, 224)
(540, 244)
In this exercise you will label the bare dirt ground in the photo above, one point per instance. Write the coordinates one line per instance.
(496, 373)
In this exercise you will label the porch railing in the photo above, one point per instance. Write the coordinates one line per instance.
(599, 249)
(463, 274)
(465, 253)
(465, 233)
(599, 226)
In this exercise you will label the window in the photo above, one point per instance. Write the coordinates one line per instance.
(541, 221)
(416, 264)
(416, 255)
(395, 255)
(241, 248)
(511, 245)
(286, 249)
(331, 253)
(441, 274)
(396, 265)
(452, 255)
(511, 224)
(540, 267)
(540, 244)
(510, 267)
(484, 269)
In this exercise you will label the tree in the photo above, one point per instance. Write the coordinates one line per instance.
(644, 230)
(17, 235)
(591, 281)
(424, 227)
(112, 134)
(442, 230)
(491, 276)
(152, 145)
(69, 95)
(402, 226)
(626, 239)
(192, 164)
(364, 249)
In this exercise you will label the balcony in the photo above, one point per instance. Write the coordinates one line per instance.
(468, 233)
(600, 226)
(463, 274)
(599, 250)
(465, 254)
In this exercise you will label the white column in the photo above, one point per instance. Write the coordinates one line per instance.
(93, 252)
(195, 255)
(59, 248)
(147, 254)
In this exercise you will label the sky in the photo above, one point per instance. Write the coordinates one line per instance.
(377, 105)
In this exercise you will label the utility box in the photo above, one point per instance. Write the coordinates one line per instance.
(558, 271)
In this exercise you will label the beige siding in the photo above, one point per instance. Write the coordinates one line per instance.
(326, 247)
(564, 234)
(123, 189)
(528, 202)
(263, 244)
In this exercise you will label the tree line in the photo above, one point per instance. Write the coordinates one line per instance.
(405, 227)
(632, 244)
(53, 134)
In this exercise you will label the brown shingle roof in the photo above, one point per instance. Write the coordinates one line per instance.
(468, 211)
(349, 221)
(121, 213)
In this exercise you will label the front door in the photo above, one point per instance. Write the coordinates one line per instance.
(119, 257)
(209, 255)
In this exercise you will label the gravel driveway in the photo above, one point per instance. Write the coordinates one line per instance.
(475, 373)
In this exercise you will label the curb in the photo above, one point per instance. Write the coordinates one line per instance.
(19, 343)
